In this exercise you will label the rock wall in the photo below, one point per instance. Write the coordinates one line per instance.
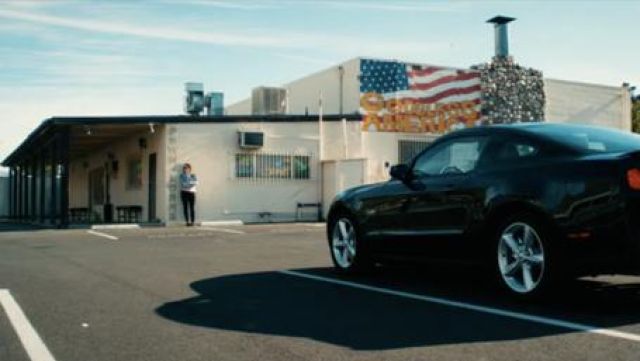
(510, 93)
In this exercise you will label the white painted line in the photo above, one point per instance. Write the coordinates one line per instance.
(224, 230)
(100, 234)
(31, 341)
(474, 307)
(116, 226)
(233, 222)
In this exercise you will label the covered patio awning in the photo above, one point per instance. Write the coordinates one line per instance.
(39, 167)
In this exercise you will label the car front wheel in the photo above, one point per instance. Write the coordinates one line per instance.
(347, 253)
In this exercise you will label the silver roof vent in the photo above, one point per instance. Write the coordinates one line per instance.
(501, 34)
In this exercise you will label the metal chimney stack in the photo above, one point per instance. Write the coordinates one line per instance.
(501, 34)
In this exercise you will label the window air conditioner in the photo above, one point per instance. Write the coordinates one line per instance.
(252, 140)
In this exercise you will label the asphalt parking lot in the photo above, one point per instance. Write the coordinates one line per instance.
(267, 292)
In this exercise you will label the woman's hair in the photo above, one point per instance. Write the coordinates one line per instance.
(186, 165)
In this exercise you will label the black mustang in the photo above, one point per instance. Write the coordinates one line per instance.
(537, 202)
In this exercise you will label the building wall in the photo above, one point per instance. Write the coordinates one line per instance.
(566, 101)
(120, 194)
(242, 107)
(574, 102)
(211, 150)
(304, 93)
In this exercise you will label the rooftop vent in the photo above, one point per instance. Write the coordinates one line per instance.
(194, 100)
(501, 34)
(268, 101)
(214, 102)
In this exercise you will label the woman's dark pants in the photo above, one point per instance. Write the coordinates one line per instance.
(188, 204)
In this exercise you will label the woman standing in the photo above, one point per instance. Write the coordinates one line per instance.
(188, 182)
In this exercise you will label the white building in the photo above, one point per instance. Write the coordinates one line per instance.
(566, 101)
(125, 169)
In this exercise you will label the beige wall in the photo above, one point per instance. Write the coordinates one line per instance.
(566, 101)
(120, 194)
(211, 149)
(574, 102)
(304, 93)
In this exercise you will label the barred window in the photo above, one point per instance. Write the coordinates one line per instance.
(301, 167)
(244, 166)
(409, 149)
(272, 166)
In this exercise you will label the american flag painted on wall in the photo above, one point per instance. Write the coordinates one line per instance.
(419, 84)
(429, 84)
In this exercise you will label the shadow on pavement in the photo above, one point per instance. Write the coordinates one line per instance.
(273, 303)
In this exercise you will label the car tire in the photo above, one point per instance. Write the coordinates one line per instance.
(347, 251)
(524, 256)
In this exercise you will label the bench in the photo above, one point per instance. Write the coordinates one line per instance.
(128, 214)
(301, 206)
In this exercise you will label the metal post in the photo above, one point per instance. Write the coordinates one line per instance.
(64, 178)
(43, 181)
(19, 196)
(10, 192)
(33, 189)
(53, 210)
(15, 192)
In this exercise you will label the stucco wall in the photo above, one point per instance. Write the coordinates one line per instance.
(566, 101)
(575, 102)
(304, 93)
(241, 107)
(211, 150)
(120, 194)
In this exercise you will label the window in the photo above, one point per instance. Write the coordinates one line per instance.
(272, 166)
(457, 156)
(514, 150)
(588, 139)
(301, 168)
(134, 173)
(409, 149)
(244, 165)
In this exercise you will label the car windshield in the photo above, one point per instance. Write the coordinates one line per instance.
(587, 139)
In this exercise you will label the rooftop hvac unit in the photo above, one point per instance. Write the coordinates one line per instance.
(268, 100)
(214, 102)
(194, 101)
(250, 140)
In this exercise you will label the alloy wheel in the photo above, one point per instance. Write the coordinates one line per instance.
(521, 257)
(343, 243)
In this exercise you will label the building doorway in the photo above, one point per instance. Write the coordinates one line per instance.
(97, 190)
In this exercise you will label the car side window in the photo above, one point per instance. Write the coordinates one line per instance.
(515, 151)
(457, 156)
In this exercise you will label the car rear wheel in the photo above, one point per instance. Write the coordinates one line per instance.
(347, 253)
(523, 259)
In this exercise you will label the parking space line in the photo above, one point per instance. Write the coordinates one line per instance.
(474, 307)
(31, 341)
(218, 229)
(101, 234)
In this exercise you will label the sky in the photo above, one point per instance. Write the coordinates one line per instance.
(63, 57)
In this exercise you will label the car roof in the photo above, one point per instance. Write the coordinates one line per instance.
(524, 128)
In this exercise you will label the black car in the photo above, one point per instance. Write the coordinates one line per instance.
(536, 202)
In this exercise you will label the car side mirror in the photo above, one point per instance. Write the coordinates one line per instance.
(400, 172)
